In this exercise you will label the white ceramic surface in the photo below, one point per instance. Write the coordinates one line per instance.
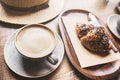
(112, 24)
(25, 68)
(35, 41)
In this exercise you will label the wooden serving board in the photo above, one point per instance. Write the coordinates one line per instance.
(100, 72)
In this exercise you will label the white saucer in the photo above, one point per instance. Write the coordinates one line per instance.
(112, 24)
(27, 69)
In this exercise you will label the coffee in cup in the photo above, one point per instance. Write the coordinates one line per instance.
(118, 24)
(36, 41)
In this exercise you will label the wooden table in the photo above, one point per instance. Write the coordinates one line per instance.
(65, 71)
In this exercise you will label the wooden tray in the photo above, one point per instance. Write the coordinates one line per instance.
(100, 72)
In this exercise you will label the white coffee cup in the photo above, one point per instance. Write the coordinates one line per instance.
(36, 41)
(118, 24)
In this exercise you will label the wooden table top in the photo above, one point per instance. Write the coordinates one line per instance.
(65, 71)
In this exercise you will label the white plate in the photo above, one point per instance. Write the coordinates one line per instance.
(112, 24)
(28, 69)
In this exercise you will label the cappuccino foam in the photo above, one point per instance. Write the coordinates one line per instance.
(35, 41)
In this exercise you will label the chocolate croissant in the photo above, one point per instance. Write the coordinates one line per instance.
(93, 38)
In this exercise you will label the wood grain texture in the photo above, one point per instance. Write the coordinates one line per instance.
(100, 72)
(66, 71)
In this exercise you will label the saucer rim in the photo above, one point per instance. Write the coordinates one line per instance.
(115, 33)
(26, 76)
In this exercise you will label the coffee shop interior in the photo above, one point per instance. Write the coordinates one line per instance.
(59, 39)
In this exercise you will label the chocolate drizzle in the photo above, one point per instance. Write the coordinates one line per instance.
(93, 38)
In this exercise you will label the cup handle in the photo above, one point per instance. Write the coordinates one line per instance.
(52, 59)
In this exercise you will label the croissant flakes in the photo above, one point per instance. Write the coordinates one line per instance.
(93, 38)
